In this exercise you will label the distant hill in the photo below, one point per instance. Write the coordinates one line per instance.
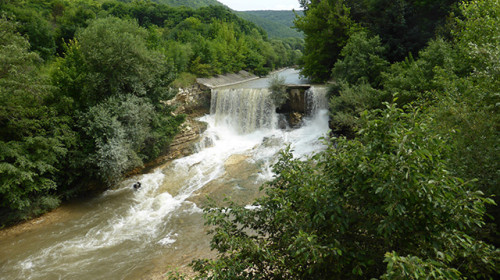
(278, 24)
(189, 3)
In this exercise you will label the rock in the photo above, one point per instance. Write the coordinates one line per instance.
(295, 119)
(207, 142)
(235, 159)
(193, 101)
(271, 141)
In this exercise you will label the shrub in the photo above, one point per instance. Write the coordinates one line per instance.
(184, 80)
(347, 106)
(277, 88)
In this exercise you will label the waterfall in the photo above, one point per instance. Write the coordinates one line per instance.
(249, 109)
(245, 110)
(316, 100)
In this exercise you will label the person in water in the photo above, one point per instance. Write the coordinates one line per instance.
(137, 186)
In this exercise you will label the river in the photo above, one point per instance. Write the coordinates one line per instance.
(128, 234)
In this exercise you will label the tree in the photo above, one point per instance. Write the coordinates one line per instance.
(111, 58)
(326, 26)
(31, 134)
(403, 27)
(37, 29)
(117, 59)
(357, 87)
(362, 60)
(119, 128)
(112, 85)
(469, 106)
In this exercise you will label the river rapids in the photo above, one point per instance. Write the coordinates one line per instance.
(126, 234)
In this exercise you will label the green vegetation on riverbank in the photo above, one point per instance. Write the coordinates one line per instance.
(81, 85)
(408, 186)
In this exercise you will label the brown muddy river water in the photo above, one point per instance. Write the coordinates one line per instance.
(127, 234)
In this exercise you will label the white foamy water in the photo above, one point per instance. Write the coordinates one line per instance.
(120, 234)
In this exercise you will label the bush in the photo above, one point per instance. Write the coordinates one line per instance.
(347, 106)
(118, 128)
(184, 80)
(277, 88)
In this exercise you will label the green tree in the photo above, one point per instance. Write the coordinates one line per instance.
(112, 85)
(36, 28)
(362, 60)
(31, 134)
(119, 128)
(326, 26)
(470, 105)
(117, 60)
(403, 26)
(110, 58)
(357, 87)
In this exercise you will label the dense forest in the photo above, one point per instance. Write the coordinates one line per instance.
(187, 3)
(408, 186)
(81, 85)
(277, 24)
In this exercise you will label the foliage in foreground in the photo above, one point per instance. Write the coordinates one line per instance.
(455, 80)
(381, 205)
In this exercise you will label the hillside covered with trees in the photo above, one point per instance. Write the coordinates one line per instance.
(277, 24)
(187, 3)
(81, 85)
(408, 187)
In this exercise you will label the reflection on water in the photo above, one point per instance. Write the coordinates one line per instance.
(125, 234)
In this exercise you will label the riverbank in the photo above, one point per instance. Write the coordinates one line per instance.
(194, 102)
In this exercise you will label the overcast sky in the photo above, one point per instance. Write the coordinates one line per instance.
(246, 5)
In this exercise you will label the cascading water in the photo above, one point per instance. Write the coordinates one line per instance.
(125, 234)
(243, 109)
(316, 100)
